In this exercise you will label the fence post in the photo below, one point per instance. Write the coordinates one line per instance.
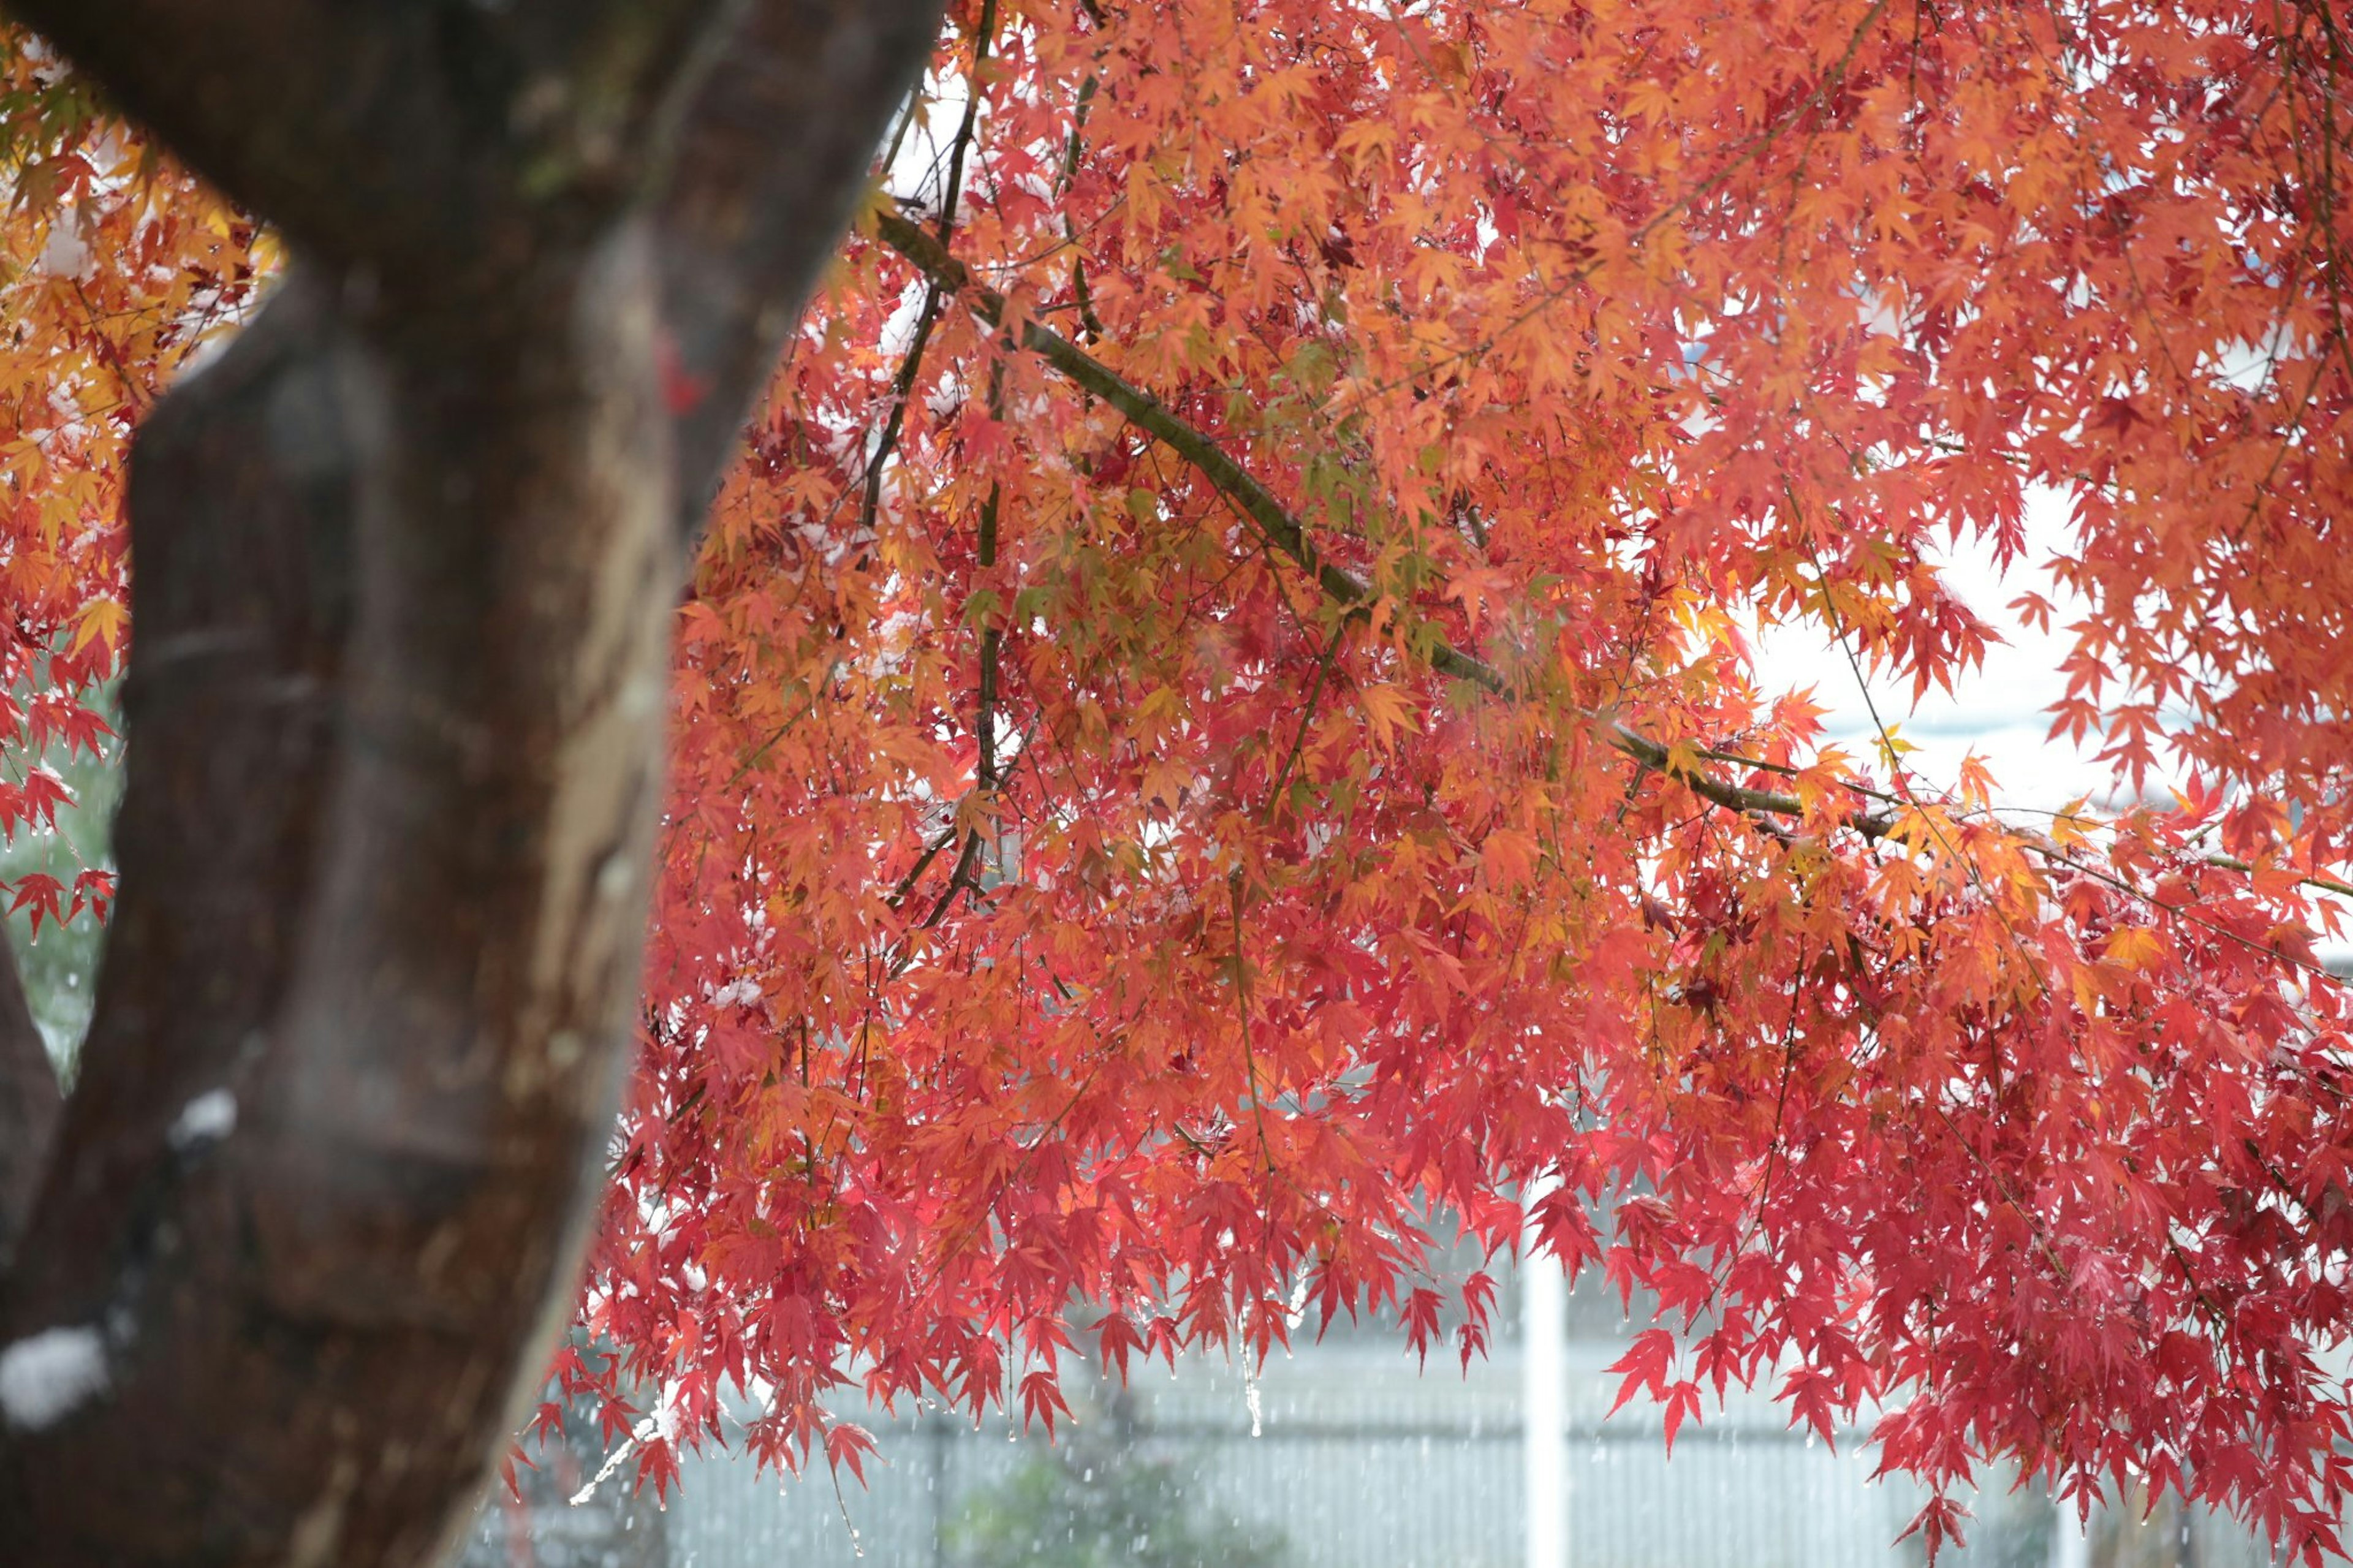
(1544, 1397)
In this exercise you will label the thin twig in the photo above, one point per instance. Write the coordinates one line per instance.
(903, 385)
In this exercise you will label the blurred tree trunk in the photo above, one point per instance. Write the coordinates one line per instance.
(2134, 1535)
(406, 558)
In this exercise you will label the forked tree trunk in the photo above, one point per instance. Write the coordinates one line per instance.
(404, 565)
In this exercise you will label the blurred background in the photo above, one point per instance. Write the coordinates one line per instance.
(1344, 1455)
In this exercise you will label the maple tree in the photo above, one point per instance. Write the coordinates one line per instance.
(1214, 736)
(1212, 739)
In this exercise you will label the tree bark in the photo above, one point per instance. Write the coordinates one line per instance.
(404, 562)
(29, 1103)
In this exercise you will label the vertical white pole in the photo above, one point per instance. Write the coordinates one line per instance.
(1544, 1399)
(2071, 1546)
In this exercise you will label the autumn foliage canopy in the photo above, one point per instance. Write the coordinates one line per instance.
(1214, 742)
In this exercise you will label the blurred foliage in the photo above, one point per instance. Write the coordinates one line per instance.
(1099, 1499)
(59, 966)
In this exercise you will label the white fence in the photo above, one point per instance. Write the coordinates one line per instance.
(1360, 1463)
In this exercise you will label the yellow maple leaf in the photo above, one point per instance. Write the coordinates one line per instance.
(101, 617)
(1388, 709)
(2135, 947)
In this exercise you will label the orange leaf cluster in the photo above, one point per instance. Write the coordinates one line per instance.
(115, 267)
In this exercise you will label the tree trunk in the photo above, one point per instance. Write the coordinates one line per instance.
(405, 564)
(28, 1104)
(2132, 1534)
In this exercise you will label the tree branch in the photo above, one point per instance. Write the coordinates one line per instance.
(373, 134)
(1283, 532)
(737, 225)
(911, 365)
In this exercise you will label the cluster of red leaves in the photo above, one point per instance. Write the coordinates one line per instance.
(114, 268)
(1080, 932)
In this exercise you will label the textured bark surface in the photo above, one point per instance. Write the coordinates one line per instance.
(405, 559)
(28, 1104)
